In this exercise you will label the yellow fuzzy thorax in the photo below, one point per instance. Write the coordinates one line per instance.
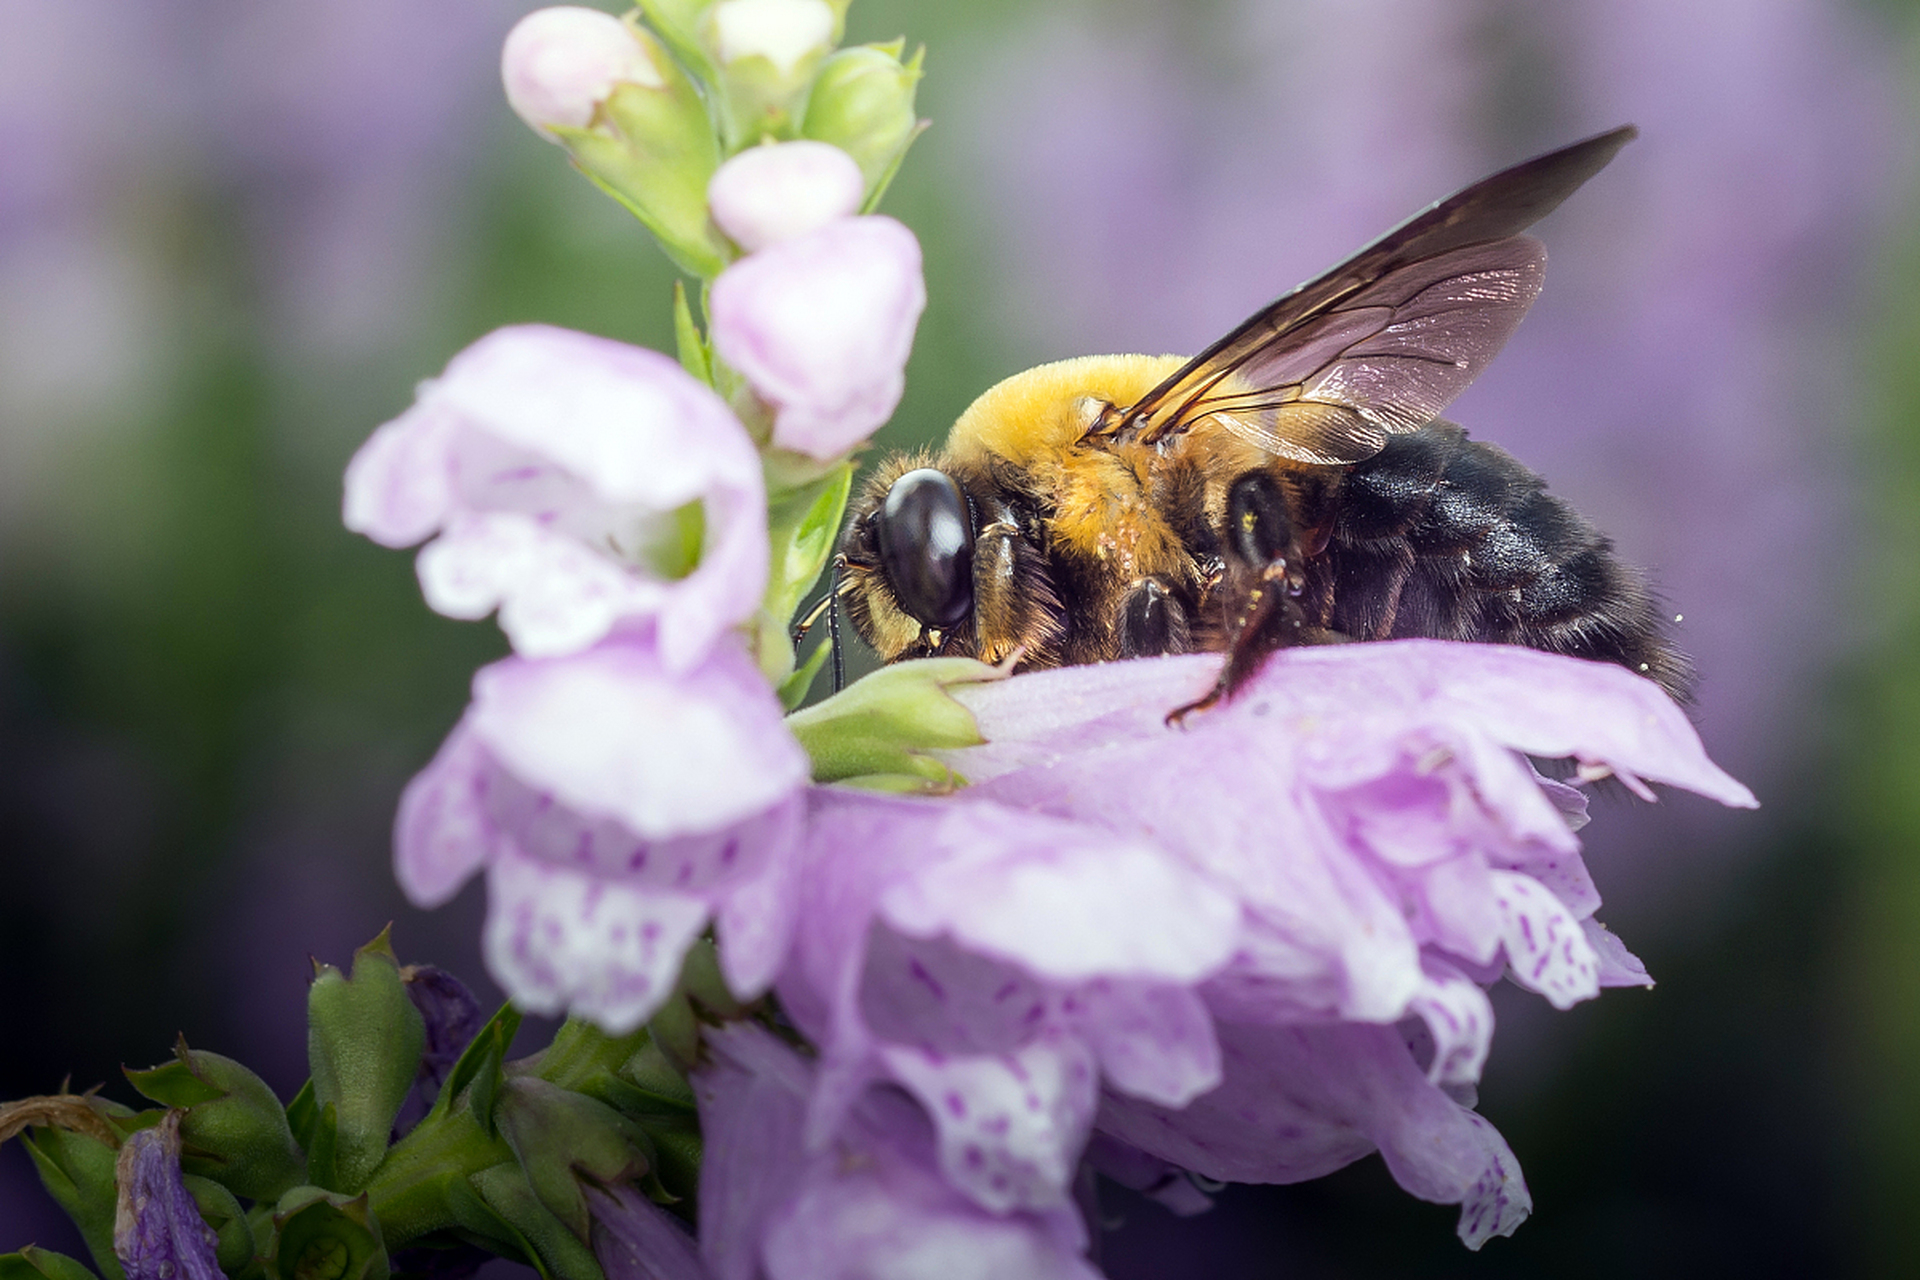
(1101, 512)
(1039, 411)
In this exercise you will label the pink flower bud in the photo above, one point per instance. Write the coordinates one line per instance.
(821, 327)
(781, 31)
(559, 64)
(769, 194)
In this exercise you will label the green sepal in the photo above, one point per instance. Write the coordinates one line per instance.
(795, 688)
(677, 22)
(481, 1061)
(653, 150)
(550, 1246)
(323, 1235)
(655, 1077)
(35, 1263)
(561, 1137)
(862, 102)
(676, 1031)
(78, 1172)
(302, 1114)
(174, 1084)
(323, 1147)
(221, 1211)
(687, 341)
(878, 731)
(234, 1129)
(364, 1041)
(677, 1148)
(580, 1054)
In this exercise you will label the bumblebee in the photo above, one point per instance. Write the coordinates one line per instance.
(1291, 484)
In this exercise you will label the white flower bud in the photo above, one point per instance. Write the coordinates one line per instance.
(559, 64)
(773, 193)
(781, 31)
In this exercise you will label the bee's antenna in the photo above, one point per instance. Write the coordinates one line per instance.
(829, 604)
(834, 587)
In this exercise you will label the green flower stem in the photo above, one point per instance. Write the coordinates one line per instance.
(422, 1184)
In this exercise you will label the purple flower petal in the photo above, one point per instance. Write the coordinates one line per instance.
(1064, 900)
(1010, 1125)
(1459, 1020)
(561, 940)
(619, 809)
(871, 1204)
(442, 834)
(1547, 950)
(821, 325)
(1619, 967)
(576, 482)
(635, 1239)
(1299, 1102)
(615, 733)
(158, 1233)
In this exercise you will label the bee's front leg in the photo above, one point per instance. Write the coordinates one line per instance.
(1261, 588)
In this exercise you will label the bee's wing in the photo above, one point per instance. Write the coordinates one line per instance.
(1384, 341)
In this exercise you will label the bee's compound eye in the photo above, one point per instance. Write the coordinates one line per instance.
(926, 547)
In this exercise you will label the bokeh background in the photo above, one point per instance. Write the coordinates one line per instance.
(232, 237)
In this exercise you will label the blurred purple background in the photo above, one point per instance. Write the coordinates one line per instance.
(232, 237)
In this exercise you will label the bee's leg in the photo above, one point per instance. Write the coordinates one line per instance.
(1263, 585)
(1152, 621)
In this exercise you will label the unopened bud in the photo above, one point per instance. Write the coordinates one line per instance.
(235, 1129)
(862, 103)
(766, 52)
(768, 194)
(321, 1234)
(560, 64)
(364, 1041)
(882, 730)
(648, 141)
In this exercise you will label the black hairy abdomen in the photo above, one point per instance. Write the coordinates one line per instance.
(1444, 537)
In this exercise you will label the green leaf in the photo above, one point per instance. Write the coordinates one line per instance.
(34, 1263)
(802, 527)
(302, 1114)
(795, 688)
(78, 1172)
(482, 1056)
(691, 347)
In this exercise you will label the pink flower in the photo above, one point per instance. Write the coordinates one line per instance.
(997, 965)
(575, 483)
(1371, 810)
(1253, 947)
(559, 64)
(617, 807)
(777, 192)
(868, 1202)
(821, 326)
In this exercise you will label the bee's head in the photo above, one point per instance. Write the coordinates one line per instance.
(907, 557)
